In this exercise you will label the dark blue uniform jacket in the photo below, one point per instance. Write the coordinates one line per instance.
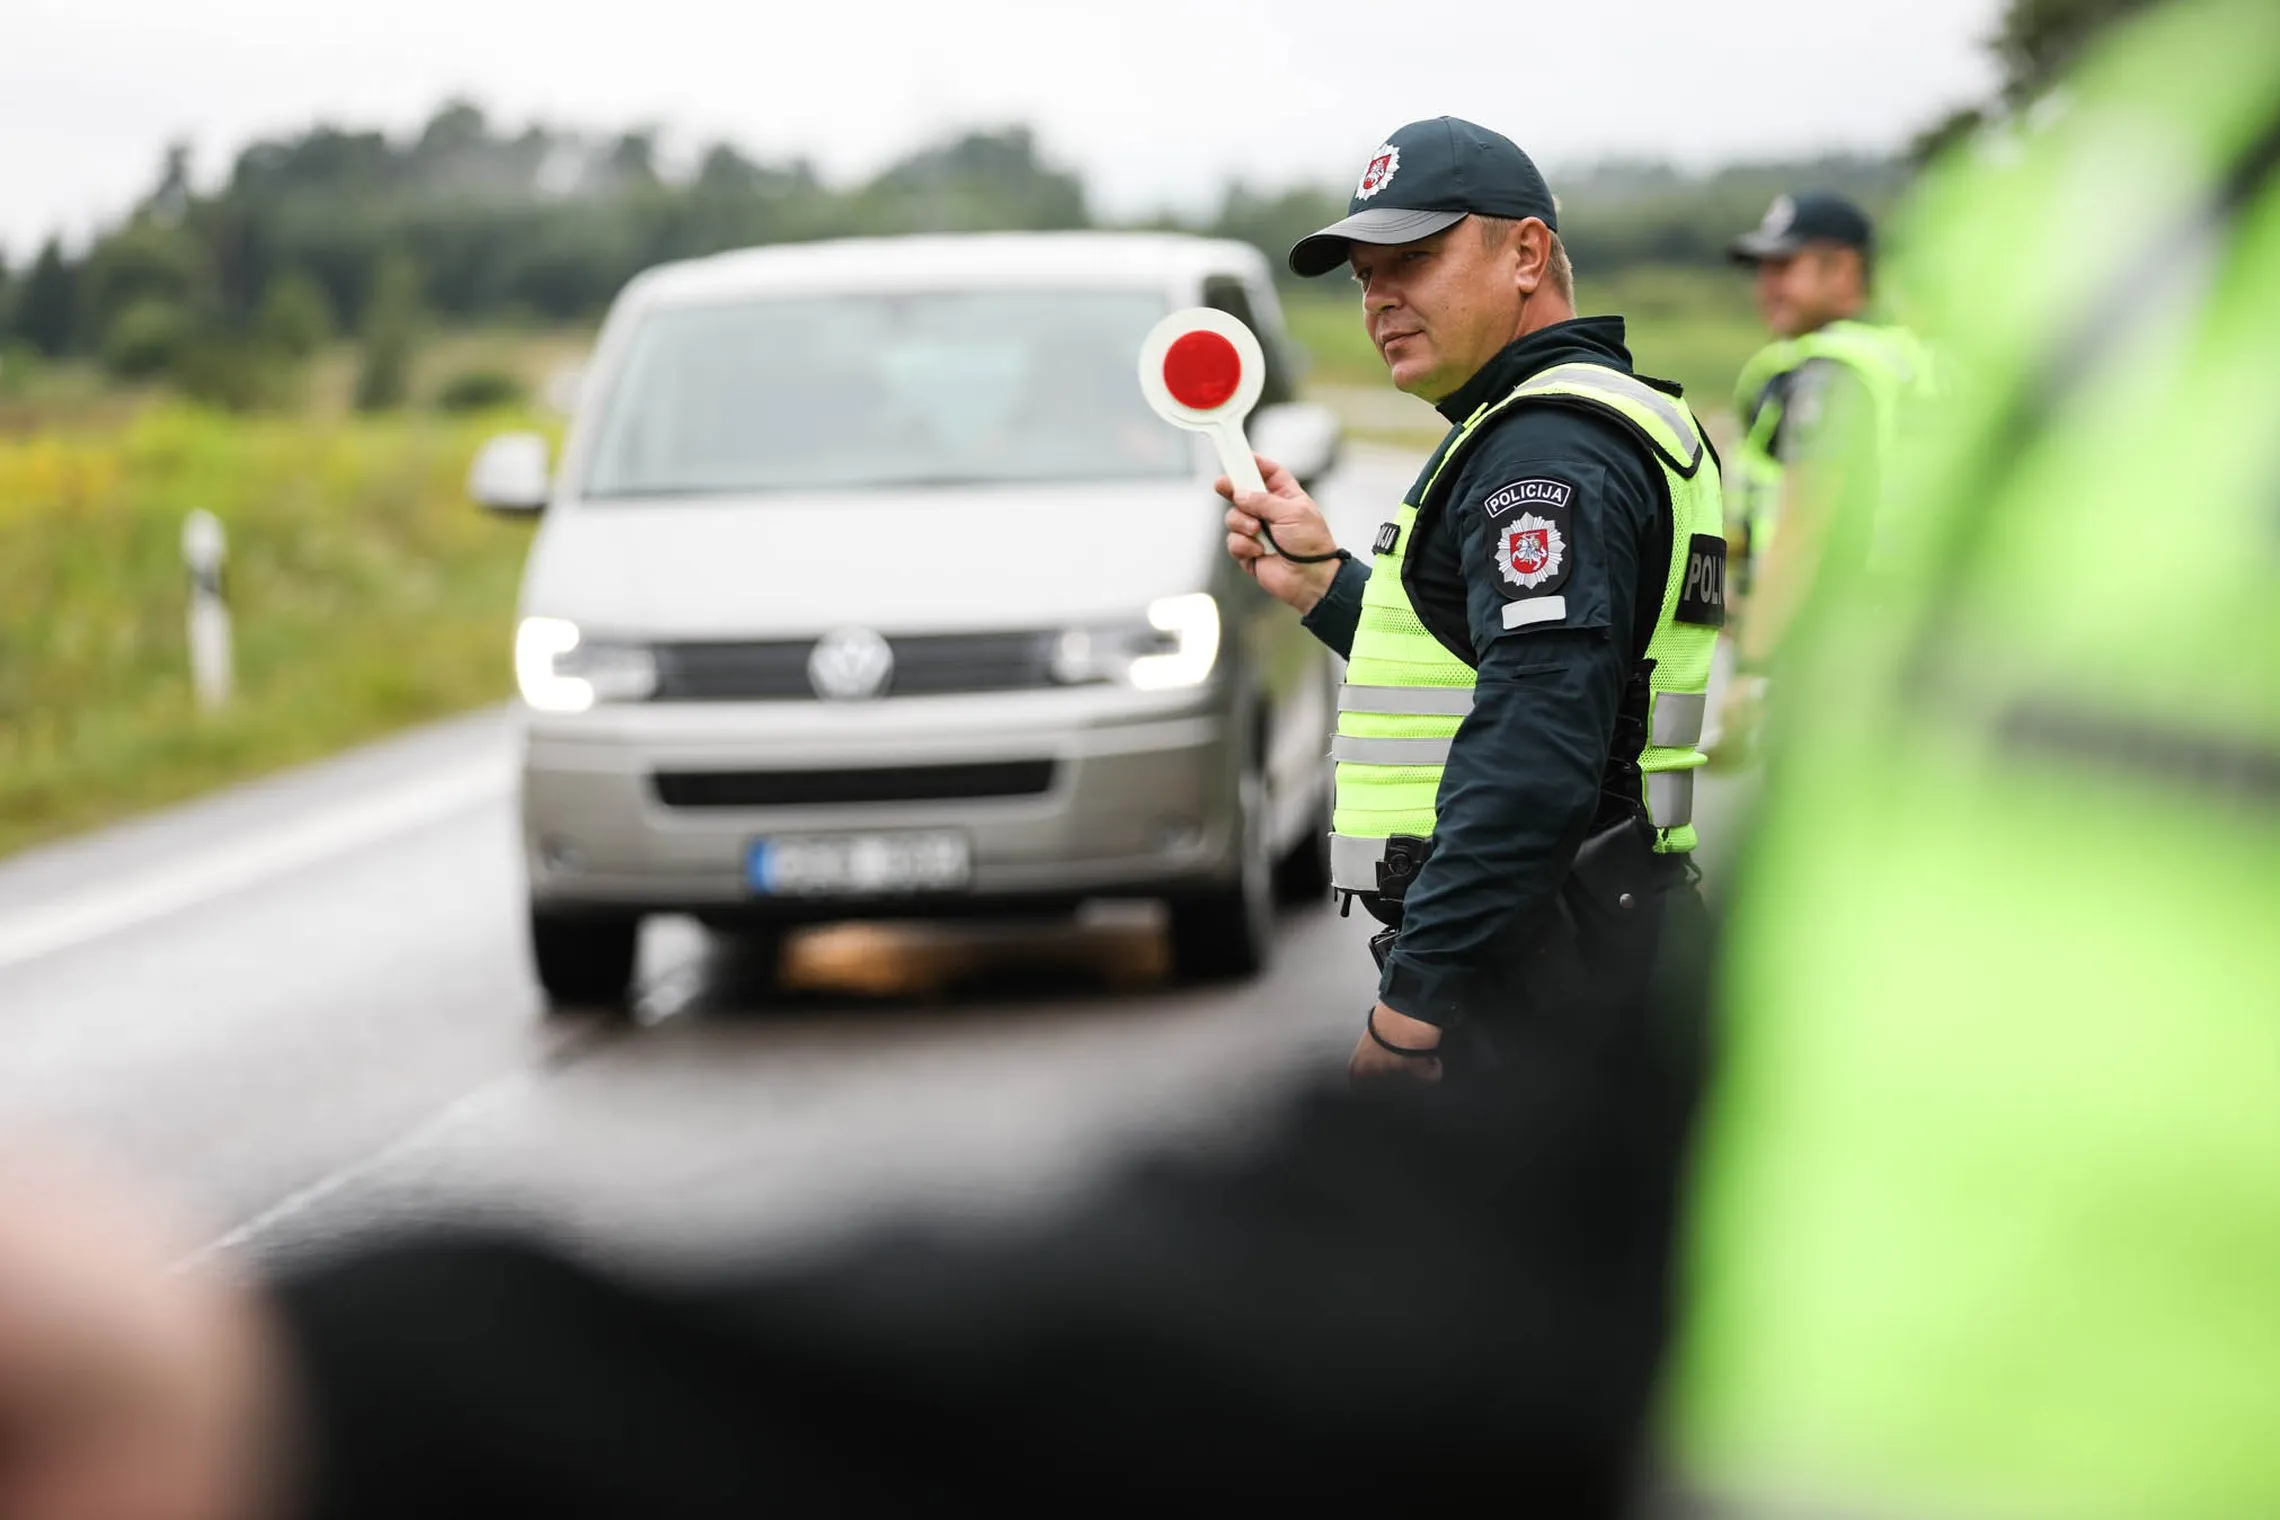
(1522, 785)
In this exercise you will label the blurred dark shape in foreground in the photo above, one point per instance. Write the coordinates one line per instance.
(1986, 1221)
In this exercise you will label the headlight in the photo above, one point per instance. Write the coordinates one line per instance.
(560, 671)
(1192, 624)
(1178, 647)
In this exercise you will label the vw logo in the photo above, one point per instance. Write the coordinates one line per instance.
(850, 665)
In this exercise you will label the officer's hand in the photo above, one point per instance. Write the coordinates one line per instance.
(127, 1391)
(1372, 1064)
(1299, 529)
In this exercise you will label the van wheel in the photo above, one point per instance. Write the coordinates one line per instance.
(584, 960)
(1303, 875)
(1229, 931)
(751, 960)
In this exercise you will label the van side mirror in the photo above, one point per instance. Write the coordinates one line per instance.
(1302, 436)
(510, 474)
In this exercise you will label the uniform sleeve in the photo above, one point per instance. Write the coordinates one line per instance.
(1550, 550)
(1824, 413)
(1334, 618)
(1828, 440)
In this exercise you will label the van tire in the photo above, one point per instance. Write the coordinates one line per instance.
(584, 960)
(750, 956)
(1228, 931)
(1303, 874)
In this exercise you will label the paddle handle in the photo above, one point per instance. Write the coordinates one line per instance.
(1235, 456)
(1242, 469)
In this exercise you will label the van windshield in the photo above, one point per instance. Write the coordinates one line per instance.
(876, 389)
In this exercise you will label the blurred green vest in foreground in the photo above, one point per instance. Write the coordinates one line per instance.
(1989, 1211)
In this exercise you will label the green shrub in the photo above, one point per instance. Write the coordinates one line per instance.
(20, 365)
(146, 338)
(481, 390)
(383, 375)
(235, 373)
(391, 333)
(296, 317)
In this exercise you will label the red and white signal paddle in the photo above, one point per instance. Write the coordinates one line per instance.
(1201, 369)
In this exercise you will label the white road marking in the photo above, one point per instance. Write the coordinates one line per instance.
(452, 1114)
(676, 986)
(367, 820)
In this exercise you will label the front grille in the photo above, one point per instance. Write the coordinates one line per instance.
(928, 665)
(902, 783)
(729, 672)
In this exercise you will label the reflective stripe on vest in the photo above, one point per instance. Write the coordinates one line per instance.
(1670, 798)
(1450, 701)
(1406, 695)
(1353, 860)
(1675, 718)
(1390, 751)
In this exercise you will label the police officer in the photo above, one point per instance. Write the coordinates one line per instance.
(1527, 659)
(1988, 1225)
(1820, 410)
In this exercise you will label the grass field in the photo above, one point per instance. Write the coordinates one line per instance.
(1695, 326)
(74, 393)
(367, 591)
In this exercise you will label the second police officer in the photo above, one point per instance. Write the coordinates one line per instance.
(1820, 410)
(1528, 659)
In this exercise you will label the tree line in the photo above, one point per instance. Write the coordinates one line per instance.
(332, 232)
(337, 232)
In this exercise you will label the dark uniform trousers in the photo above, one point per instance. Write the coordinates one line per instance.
(1590, 978)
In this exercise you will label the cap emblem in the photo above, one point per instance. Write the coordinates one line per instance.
(1382, 164)
(1779, 216)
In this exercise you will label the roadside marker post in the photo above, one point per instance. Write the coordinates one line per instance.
(205, 547)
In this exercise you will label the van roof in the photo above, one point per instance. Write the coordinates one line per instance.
(957, 260)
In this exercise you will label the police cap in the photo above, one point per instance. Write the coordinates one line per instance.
(1427, 176)
(1792, 221)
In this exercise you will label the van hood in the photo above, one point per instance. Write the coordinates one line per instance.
(947, 559)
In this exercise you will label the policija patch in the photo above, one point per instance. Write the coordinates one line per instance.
(1702, 595)
(1531, 528)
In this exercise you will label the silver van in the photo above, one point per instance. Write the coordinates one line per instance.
(868, 585)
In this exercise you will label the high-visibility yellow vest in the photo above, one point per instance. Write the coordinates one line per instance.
(1406, 694)
(1891, 365)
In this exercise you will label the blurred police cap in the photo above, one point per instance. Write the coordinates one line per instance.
(1792, 221)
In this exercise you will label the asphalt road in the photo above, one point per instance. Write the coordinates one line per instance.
(301, 1008)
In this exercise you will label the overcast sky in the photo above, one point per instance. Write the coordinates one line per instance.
(1158, 104)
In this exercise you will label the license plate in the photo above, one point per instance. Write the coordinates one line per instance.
(859, 864)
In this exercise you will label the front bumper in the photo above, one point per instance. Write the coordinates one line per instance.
(1141, 797)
